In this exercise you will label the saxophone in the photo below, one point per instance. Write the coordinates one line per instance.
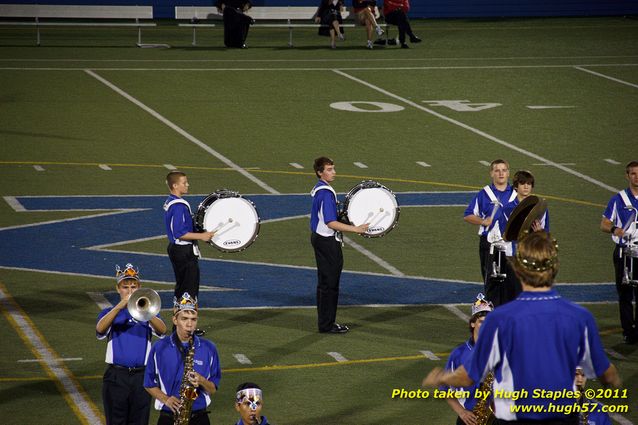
(187, 392)
(482, 410)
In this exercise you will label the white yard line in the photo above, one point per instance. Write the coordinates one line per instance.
(337, 356)
(296, 165)
(360, 165)
(430, 355)
(14, 203)
(242, 358)
(74, 394)
(67, 359)
(21, 226)
(170, 167)
(612, 161)
(380, 261)
(598, 74)
(423, 164)
(478, 132)
(182, 132)
(38, 168)
(457, 312)
(105, 167)
(99, 299)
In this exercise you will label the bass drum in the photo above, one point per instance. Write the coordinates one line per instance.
(233, 218)
(373, 203)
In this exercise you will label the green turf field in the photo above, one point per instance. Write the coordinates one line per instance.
(558, 96)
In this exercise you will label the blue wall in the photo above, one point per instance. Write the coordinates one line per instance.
(420, 8)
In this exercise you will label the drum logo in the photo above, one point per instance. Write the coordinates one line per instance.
(376, 229)
(232, 242)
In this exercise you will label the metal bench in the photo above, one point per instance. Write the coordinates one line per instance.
(37, 12)
(271, 13)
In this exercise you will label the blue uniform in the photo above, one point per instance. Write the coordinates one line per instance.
(166, 367)
(123, 394)
(324, 208)
(178, 219)
(482, 204)
(461, 356)
(535, 343)
(620, 215)
(597, 417)
(263, 421)
(184, 255)
(129, 341)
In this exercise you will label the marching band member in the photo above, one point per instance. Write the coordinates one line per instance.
(619, 219)
(461, 355)
(534, 344)
(182, 250)
(129, 341)
(591, 411)
(481, 210)
(502, 290)
(181, 361)
(326, 242)
(248, 402)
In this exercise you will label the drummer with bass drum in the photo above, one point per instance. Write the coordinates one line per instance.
(620, 219)
(326, 241)
(182, 239)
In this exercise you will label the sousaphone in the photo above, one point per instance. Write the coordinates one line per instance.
(520, 222)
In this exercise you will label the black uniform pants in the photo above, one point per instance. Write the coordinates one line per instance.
(198, 417)
(626, 293)
(329, 265)
(186, 267)
(484, 253)
(400, 19)
(501, 290)
(236, 25)
(126, 402)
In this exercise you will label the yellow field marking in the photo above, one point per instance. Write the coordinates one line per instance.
(281, 367)
(37, 344)
(327, 364)
(298, 173)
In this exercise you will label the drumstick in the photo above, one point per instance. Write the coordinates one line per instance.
(222, 225)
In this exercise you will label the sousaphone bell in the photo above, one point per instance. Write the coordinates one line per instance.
(524, 215)
(144, 304)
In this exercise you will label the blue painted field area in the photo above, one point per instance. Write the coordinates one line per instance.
(65, 246)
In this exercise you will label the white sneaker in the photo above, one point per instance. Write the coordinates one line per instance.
(369, 44)
(379, 31)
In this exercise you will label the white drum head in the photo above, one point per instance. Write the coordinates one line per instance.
(376, 206)
(235, 222)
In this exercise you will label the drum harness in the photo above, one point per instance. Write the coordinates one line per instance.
(167, 206)
(338, 235)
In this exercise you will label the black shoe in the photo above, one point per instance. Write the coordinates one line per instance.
(630, 339)
(405, 46)
(336, 329)
(415, 39)
(380, 42)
